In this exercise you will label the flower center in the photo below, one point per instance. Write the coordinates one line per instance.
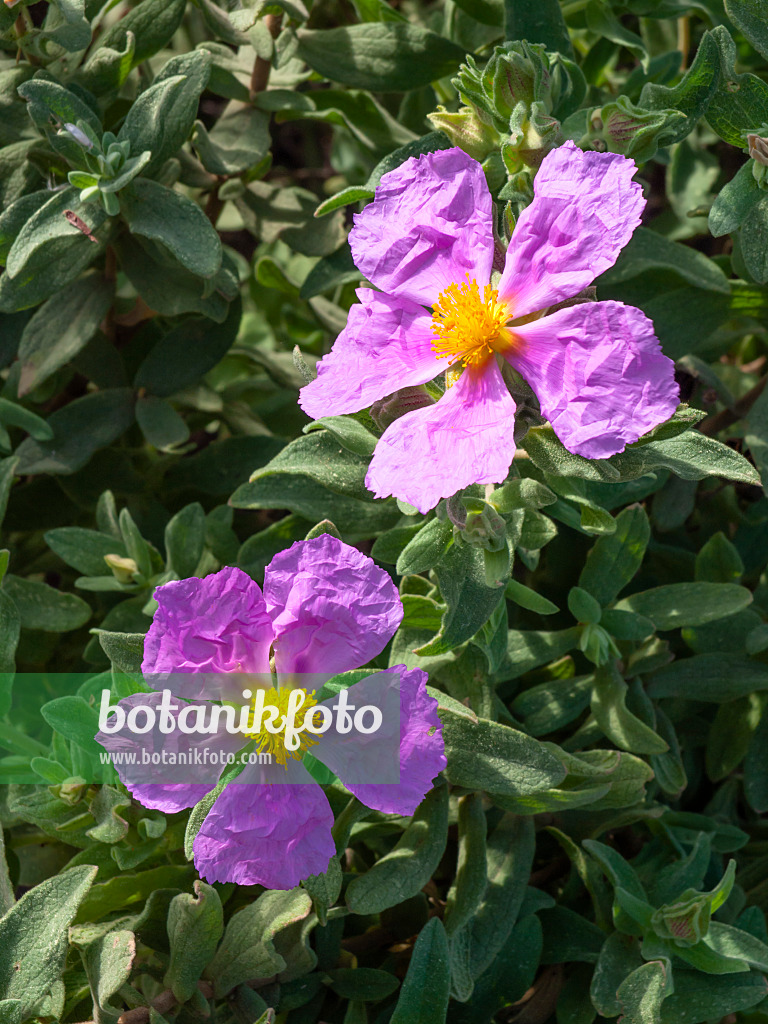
(275, 715)
(469, 326)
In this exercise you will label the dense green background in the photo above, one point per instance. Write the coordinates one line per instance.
(595, 632)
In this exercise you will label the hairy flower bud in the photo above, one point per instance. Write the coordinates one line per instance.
(467, 131)
(621, 127)
(391, 408)
(79, 135)
(758, 150)
(123, 569)
(484, 527)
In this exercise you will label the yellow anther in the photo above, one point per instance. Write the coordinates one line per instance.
(468, 326)
(273, 742)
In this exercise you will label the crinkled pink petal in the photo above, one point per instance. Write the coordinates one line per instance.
(333, 608)
(386, 345)
(217, 624)
(600, 376)
(585, 208)
(430, 224)
(465, 438)
(271, 835)
(418, 736)
(167, 797)
(167, 770)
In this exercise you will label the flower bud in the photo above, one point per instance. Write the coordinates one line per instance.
(71, 791)
(758, 150)
(597, 644)
(391, 408)
(686, 922)
(621, 127)
(532, 134)
(465, 130)
(123, 569)
(484, 527)
(79, 135)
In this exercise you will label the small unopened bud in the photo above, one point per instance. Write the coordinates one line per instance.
(597, 644)
(389, 409)
(465, 130)
(622, 127)
(123, 569)
(485, 528)
(758, 149)
(71, 791)
(79, 135)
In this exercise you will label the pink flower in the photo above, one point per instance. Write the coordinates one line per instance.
(325, 608)
(427, 241)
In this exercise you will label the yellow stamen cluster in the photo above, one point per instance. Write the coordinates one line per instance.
(268, 742)
(468, 326)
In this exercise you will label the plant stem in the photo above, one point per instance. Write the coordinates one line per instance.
(261, 66)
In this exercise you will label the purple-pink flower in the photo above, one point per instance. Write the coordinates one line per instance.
(427, 241)
(325, 608)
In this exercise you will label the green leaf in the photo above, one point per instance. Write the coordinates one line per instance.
(496, 758)
(33, 935)
(692, 94)
(749, 17)
(152, 22)
(426, 988)
(614, 718)
(171, 290)
(162, 118)
(379, 56)
(426, 549)
(349, 432)
(10, 624)
(159, 422)
(80, 429)
(238, 141)
(541, 22)
(641, 993)
(468, 889)
(404, 871)
(753, 237)
(362, 983)
(271, 213)
(740, 102)
(83, 549)
(530, 599)
(470, 601)
(702, 997)
(195, 926)
(108, 961)
(75, 719)
(124, 650)
(43, 607)
(711, 678)
(527, 649)
(510, 853)
(164, 216)
(48, 252)
(648, 250)
(687, 604)
(220, 467)
(318, 479)
(736, 199)
(185, 539)
(50, 102)
(61, 328)
(187, 353)
(247, 950)
(619, 957)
